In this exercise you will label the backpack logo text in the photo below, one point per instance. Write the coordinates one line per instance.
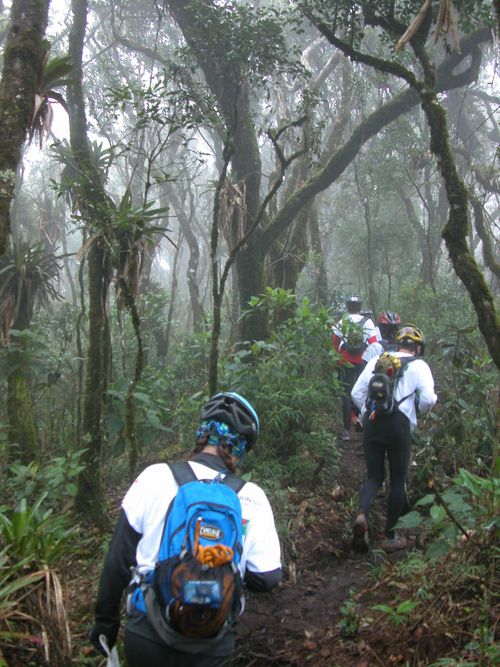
(211, 533)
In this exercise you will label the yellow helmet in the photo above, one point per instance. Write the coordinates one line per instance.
(410, 334)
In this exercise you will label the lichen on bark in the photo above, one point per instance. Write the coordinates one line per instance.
(24, 56)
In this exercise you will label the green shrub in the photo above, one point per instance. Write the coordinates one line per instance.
(469, 509)
(56, 479)
(33, 534)
(289, 380)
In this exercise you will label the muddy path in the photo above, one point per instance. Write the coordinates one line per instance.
(297, 624)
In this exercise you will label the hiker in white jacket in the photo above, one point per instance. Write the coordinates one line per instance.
(391, 434)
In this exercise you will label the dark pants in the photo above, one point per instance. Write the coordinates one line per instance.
(386, 434)
(143, 649)
(348, 376)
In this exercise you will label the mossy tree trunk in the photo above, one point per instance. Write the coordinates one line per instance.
(95, 208)
(22, 65)
(457, 227)
(89, 494)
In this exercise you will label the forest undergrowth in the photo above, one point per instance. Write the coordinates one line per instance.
(435, 604)
(336, 608)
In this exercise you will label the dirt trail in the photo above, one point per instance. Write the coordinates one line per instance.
(297, 624)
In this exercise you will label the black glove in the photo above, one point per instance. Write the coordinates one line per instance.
(109, 630)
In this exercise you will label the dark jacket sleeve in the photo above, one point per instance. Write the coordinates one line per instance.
(116, 573)
(262, 581)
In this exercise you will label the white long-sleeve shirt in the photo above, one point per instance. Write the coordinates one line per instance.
(416, 382)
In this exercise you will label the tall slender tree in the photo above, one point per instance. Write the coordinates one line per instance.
(90, 198)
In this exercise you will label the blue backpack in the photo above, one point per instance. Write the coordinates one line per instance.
(196, 578)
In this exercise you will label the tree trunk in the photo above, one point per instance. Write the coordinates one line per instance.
(22, 432)
(23, 61)
(251, 268)
(173, 298)
(194, 257)
(428, 239)
(456, 229)
(321, 286)
(225, 81)
(89, 499)
(94, 206)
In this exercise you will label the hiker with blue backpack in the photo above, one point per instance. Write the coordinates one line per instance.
(390, 392)
(188, 536)
(351, 337)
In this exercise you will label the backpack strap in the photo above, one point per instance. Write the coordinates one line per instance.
(407, 360)
(183, 473)
(233, 482)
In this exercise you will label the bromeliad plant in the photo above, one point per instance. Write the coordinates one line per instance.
(32, 611)
(14, 585)
(33, 534)
(54, 75)
(27, 275)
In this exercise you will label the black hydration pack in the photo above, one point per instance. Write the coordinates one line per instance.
(388, 370)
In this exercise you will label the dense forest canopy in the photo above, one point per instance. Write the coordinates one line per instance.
(188, 191)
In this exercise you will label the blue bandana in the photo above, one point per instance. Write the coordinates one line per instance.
(220, 433)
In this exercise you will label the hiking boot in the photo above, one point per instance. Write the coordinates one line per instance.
(360, 541)
(345, 435)
(396, 543)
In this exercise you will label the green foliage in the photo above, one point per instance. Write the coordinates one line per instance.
(14, 584)
(468, 434)
(27, 349)
(467, 510)
(399, 613)
(250, 41)
(352, 18)
(33, 534)
(47, 351)
(450, 591)
(437, 312)
(350, 619)
(461, 431)
(289, 380)
(55, 479)
(32, 540)
(165, 102)
(153, 410)
(27, 273)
